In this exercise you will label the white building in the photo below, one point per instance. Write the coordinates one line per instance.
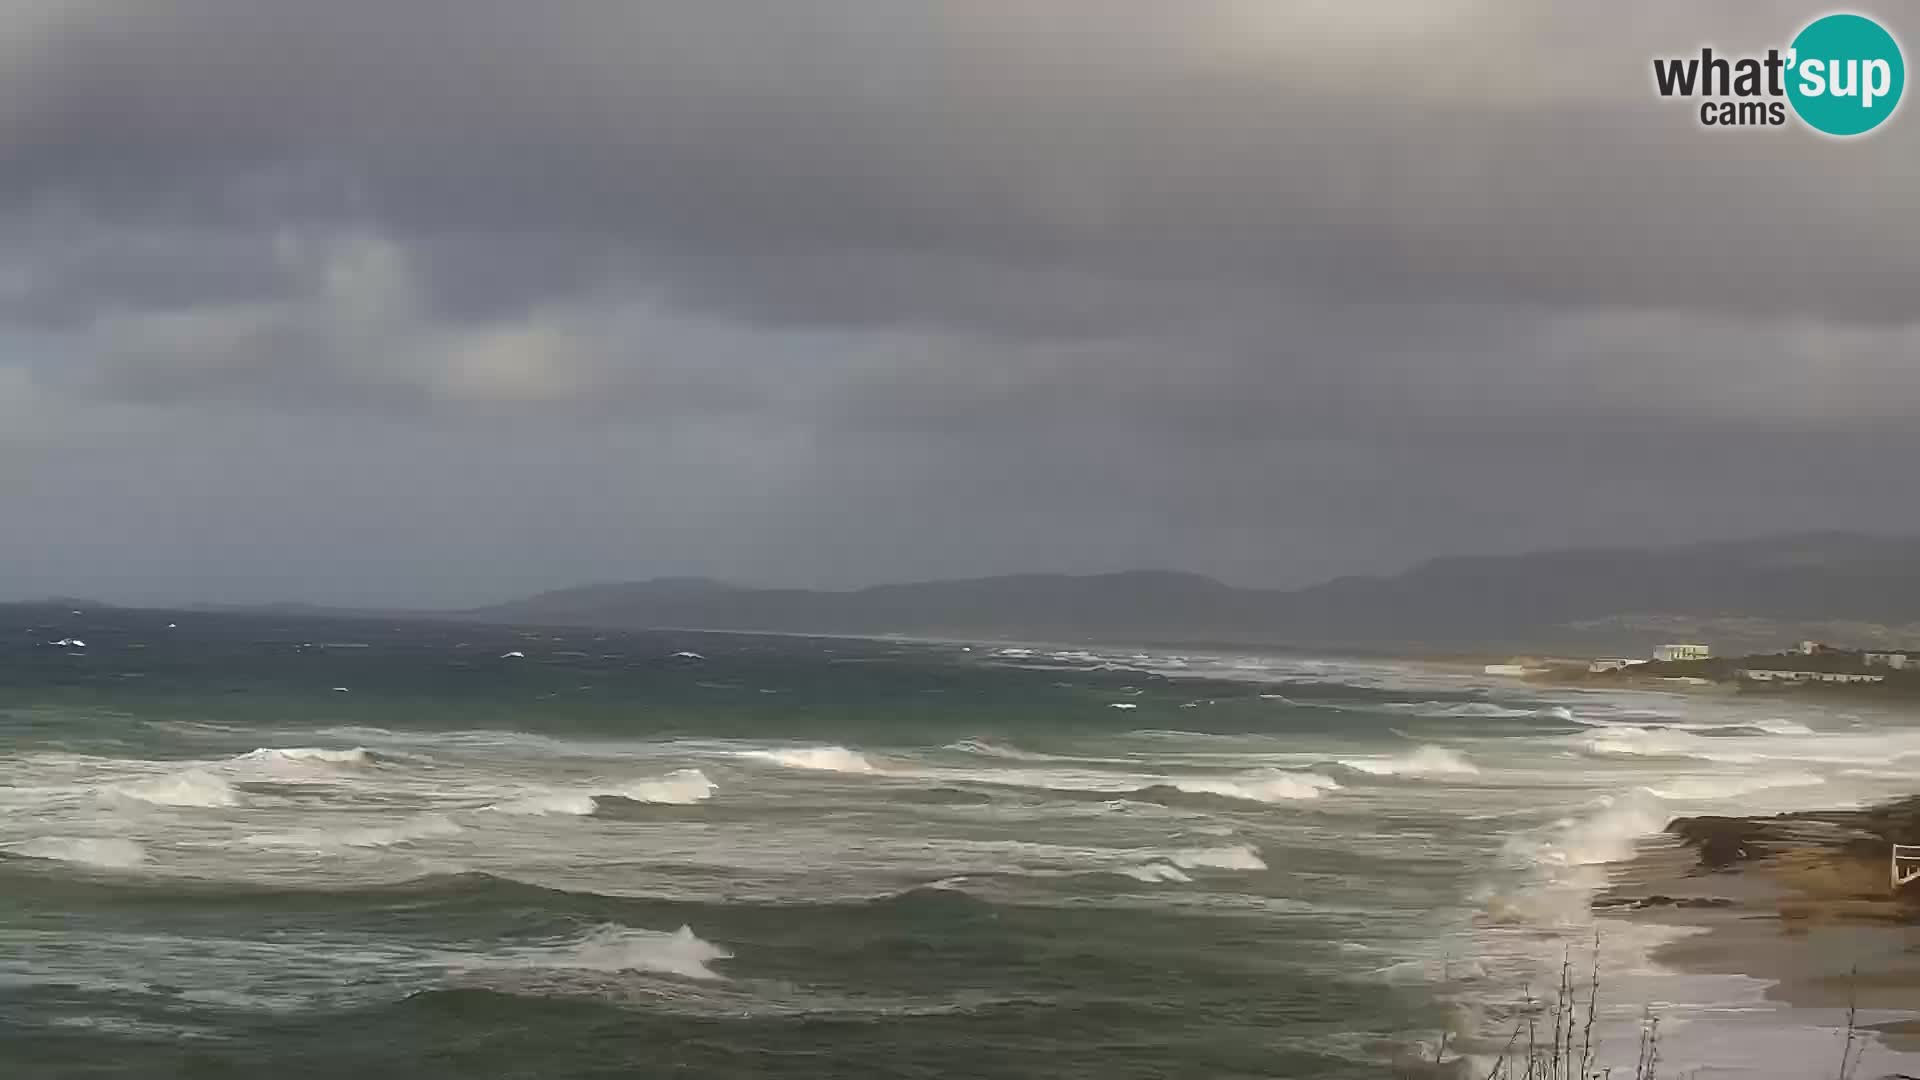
(1775, 675)
(1683, 652)
(1894, 660)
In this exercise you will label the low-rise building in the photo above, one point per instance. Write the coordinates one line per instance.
(1895, 660)
(1669, 653)
(1779, 675)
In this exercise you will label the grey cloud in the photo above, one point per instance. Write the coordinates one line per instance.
(368, 300)
(716, 149)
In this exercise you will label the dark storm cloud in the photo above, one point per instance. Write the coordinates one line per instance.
(733, 150)
(864, 288)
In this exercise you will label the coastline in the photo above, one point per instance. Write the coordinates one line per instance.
(1801, 901)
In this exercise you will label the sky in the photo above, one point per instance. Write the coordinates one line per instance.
(429, 303)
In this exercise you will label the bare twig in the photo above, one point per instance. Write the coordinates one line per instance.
(1506, 1054)
(1853, 1016)
(1593, 1005)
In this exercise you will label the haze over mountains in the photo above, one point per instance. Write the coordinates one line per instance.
(1752, 595)
(1747, 594)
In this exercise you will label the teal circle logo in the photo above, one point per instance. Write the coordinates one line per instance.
(1845, 75)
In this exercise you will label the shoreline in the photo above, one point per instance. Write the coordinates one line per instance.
(1800, 901)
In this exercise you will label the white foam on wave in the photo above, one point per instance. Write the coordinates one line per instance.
(305, 758)
(426, 826)
(1780, 725)
(1455, 710)
(1708, 788)
(1236, 857)
(989, 748)
(1427, 761)
(195, 787)
(575, 803)
(611, 947)
(1641, 742)
(682, 787)
(422, 827)
(818, 758)
(1154, 873)
(108, 852)
(1266, 785)
(1608, 834)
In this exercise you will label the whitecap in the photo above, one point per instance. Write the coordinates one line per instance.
(423, 827)
(1267, 785)
(1706, 788)
(680, 787)
(575, 803)
(1236, 857)
(820, 758)
(1154, 872)
(988, 748)
(195, 787)
(1427, 761)
(1640, 742)
(305, 757)
(108, 852)
(611, 947)
(1607, 835)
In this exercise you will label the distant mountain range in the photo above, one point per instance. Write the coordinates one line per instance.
(1757, 593)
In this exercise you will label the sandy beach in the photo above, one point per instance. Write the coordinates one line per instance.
(1804, 901)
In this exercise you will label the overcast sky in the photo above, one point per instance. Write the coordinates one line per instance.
(434, 302)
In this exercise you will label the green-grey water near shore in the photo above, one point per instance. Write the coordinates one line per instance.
(239, 845)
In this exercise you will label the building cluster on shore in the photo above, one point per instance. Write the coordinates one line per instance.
(1664, 654)
(1807, 662)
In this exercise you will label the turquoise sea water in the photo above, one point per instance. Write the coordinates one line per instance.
(248, 846)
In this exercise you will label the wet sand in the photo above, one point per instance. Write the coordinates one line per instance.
(1804, 901)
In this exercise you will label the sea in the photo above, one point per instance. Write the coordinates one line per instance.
(242, 845)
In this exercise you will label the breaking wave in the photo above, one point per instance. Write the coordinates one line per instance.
(1427, 761)
(107, 852)
(682, 787)
(820, 758)
(1486, 710)
(424, 827)
(1607, 835)
(1708, 788)
(1154, 873)
(306, 757)
(195, 787)
(1640, 742)
(1237, 857)
(611, 947)
(1267, 786)
(575, 803)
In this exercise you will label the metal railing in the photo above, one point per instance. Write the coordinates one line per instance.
(1906, 864)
